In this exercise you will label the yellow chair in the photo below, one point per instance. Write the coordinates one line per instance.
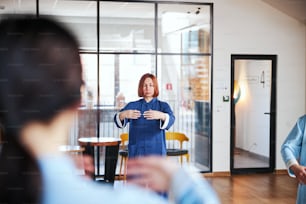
(123, 152)
(173, 151)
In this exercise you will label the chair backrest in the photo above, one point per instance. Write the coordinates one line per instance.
(124, 139)
(178, 136)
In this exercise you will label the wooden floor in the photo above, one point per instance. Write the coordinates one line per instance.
(255, 188)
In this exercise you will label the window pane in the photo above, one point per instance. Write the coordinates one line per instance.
(79, 16)
(89, 91)
(17, 7)
(107, 79)
(184, 28)
(127, 27)
(185, 85)
(120, 74)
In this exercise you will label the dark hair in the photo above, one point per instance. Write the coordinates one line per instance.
(141, 82)
(40, 75)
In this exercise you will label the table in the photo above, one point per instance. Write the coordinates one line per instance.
(111, 145)
(71, 148)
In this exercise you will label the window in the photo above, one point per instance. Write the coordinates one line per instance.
(120, 41)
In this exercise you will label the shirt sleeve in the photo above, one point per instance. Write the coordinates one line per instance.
(118, 122)
(164, 124)
(170, 118)
(291, 148)
(189, 187)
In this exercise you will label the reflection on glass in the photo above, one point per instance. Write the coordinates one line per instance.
(127, 27)
(184, 28)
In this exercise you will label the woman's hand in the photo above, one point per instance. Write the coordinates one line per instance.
(85, 162)
(300, 173)
(152, 172)
(154, 115)
(129, 114)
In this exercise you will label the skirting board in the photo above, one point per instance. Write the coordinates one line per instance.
(227, 173)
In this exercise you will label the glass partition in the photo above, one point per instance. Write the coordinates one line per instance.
(122, 40)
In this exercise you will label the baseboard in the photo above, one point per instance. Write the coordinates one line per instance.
(217, 174)
(227, 173)
(224, 174)
(281, 171)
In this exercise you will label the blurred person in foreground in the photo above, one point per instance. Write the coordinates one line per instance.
(40, 82)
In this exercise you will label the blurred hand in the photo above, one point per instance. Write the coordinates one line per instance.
(300, 173)
(154, 115)
(154, 172)
(130, 114)
(85, 162)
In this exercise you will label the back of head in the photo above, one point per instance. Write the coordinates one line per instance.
(40, 70)
(40, 75)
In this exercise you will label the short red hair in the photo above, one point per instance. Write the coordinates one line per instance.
(141, 82)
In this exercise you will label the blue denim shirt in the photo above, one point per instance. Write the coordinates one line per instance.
(147, 137)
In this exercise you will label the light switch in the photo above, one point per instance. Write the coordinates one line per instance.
(225, 98)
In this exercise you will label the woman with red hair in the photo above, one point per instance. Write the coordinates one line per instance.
(148, 117)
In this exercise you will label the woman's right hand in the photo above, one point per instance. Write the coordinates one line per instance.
(300, 173)
(129, 114)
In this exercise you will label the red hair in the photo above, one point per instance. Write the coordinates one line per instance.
(141, 82)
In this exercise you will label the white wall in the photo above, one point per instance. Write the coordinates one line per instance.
(253, 27)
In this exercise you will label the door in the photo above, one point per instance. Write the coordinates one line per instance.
(253, 105)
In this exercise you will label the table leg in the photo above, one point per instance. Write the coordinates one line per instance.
(90, 150)
(111, 157)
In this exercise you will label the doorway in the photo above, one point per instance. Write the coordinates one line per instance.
(253, 111)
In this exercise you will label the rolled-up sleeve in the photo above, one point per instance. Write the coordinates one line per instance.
(118, 122)
(291, 148)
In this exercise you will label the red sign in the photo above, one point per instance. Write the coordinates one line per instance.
(169, 86)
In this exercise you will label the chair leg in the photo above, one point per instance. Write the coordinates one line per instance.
(120, 170)
(181, 159)
(125, 168)
(187, 157)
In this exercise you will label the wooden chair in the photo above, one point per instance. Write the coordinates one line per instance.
(123, 152)
(177, 151)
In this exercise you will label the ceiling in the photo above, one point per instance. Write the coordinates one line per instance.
(293, 8)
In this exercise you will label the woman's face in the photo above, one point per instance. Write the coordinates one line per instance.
(148, 88)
